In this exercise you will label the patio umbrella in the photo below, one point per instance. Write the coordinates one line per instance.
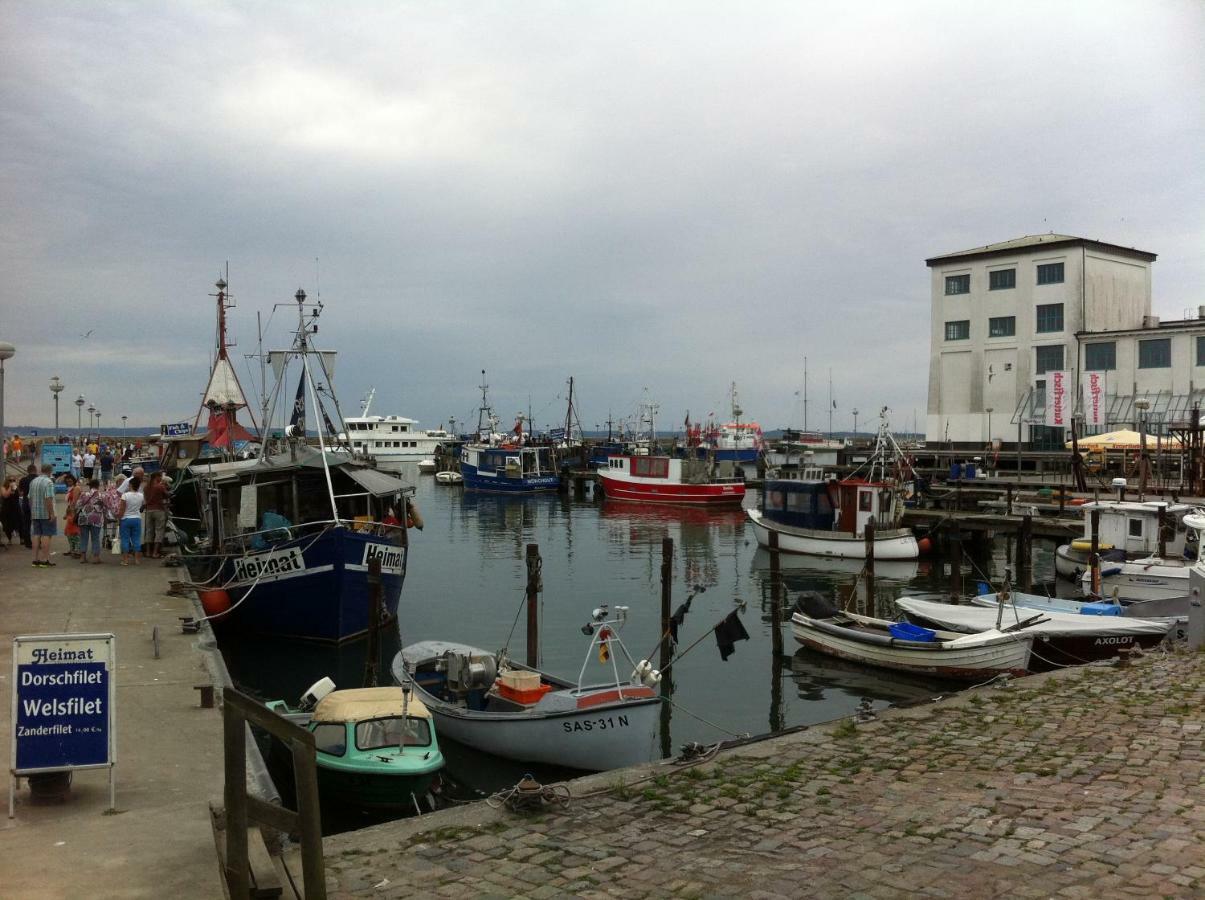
(1123, 440)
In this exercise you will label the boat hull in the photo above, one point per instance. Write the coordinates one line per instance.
(722, 494)
(973, 663)
(310, 587)
(1138, 580)
(896, 544)
(492, 483)
(365, 791)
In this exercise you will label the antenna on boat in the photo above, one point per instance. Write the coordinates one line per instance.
(805, 394)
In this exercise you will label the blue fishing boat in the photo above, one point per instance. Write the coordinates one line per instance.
(506, 464)
(289, 536)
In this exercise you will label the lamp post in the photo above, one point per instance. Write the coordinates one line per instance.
(123, 424)
(91, 415)
(98, 422)
(1142, 404)
(6, 352)
(988, 410)
(56, 388)
(855, 421)
(79, 412)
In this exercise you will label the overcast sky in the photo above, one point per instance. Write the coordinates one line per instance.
(664, 195)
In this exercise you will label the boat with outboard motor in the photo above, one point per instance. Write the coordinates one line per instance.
(1170, 611)
(1150, 577)
(829, 518)
(498, 705)
(1062, 638)
(290, 535)
(817, 624)
(376, 747)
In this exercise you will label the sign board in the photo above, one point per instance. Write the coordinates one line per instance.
(176, 429)
(63, 710)
(248, 512)
(57, 455)
(1058, 399)
(1094, 399)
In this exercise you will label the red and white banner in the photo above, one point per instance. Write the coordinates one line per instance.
(1058, 399)
(1094, 399)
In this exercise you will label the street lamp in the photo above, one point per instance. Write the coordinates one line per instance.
(56, 388)
(79, 412)
(123, 424)
(98, 421)
(1142, 404)
(91, 414)
(988, 410)
(855, 421)
(6, 352)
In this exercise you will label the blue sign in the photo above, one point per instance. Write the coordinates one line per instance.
(63, 695)
(57, 455)
(177, 429)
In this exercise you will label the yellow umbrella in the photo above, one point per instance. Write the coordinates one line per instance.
(1123, 440)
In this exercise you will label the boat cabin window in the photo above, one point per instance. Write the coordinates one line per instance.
(650, 467)
(377, 733)
(1135, 527)
(865, 501)
(331, 737)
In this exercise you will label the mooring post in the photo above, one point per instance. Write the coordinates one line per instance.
(1062, 494)
(1025, 553)
(955, 541)
(667, 586)
(1163, 531)
(533, 609)
(1009, 509)
(372, 652)
(775, 600)
(870, 566)
(1094, 552)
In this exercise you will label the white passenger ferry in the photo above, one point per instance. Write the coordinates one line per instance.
(393, 440)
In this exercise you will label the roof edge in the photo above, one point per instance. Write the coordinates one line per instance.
(990, 251)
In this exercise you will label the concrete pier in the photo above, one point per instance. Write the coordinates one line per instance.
(1079, 783)
(169, 750)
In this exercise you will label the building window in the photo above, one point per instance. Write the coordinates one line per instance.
(1048, 359)
(958, 284)
(1201, 350)
(958, 331)
(1050, 317)
(1100, 357)
(1155, 354)
(1050, 273)
(1001, 279)
(1002, 326)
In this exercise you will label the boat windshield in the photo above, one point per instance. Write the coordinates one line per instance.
(377, 733)
(331, 738)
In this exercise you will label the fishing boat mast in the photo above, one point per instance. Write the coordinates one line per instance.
(224, 395)
(487, 422)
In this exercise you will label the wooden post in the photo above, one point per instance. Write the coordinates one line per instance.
(305, 771)
(955, 540)
(1025, 554)
(1009, 510)
(667, 585)
(234, 734)
(1062, 494)
(870, 566)
(1163, 531)
(533, 609)
(775, 606)
(1094, 555)
(372, 653)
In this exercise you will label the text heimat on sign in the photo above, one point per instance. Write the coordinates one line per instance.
(1094, 398)
(62, 705)
(1058, 399)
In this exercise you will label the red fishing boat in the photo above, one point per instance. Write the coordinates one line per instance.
(664, 479)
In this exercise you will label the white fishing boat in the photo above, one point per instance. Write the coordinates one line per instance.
(907, 648)
(514, 711)
(1127, 530)
(830, 518)
(1063, 638)
(449, 477)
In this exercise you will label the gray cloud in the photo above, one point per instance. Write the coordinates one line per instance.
(673, 196)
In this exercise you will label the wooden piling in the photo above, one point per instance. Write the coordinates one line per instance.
(1025, 554)
(775, 602)
(869, 570)
(955, 552)
(667, 585)
(1094, 553)
(1163, 531)
(1009, 510)
(372, 652)
(534, 586)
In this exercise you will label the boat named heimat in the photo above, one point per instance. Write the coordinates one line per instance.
(391, 441)
(829, 518)
(493, 463)
(291, 535)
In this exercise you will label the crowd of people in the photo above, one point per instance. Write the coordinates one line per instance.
(108, 504)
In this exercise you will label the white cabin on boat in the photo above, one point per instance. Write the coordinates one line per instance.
(393, 439)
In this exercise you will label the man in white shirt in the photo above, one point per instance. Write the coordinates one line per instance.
(125, 484)
(89, 465)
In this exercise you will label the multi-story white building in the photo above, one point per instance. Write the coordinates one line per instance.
(1005, 314)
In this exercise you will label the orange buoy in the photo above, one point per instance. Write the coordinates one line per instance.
(214, 602)
(924, 546)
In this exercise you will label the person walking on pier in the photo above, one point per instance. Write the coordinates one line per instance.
(10, 509)
(106, 464)
(129, 515)
(43, 521)
(77, 463)
(156, 494)
(23, 500)
(89, 464)
(70, 526)
(91, 519)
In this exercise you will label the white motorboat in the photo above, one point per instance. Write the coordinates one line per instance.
(1127, 530)
(1171, 611)
(906, 648)
(1151, 577)
(1063, 638)
(499, 706)
(449, 477)
(426, 466)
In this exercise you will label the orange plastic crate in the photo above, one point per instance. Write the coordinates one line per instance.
(527, 698)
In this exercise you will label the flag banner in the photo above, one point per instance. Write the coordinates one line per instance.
(1094, 398)
(297, 419)
(557, 434)
(1058, 399)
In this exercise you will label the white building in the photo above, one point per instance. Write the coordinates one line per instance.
(1005, 314)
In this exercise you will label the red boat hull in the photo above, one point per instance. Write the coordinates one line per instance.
(686, 494)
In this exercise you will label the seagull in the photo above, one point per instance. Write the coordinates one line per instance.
(89, 333)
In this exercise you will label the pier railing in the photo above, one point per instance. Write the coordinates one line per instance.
(239, 710)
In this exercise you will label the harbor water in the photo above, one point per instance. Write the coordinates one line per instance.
(467, 579)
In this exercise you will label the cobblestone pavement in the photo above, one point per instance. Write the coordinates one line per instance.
(1081, 783)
